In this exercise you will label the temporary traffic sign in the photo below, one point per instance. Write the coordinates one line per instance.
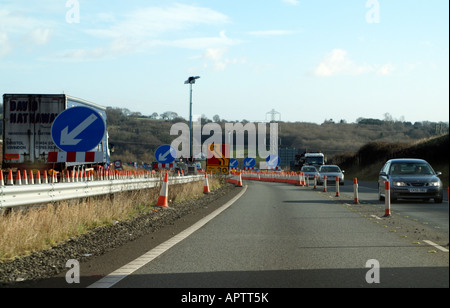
(218, 158)
(165, 154)
(273, 160)
(234, 163)
(78, 129)
(249, 162)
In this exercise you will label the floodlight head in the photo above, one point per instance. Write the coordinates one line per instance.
(191, 80)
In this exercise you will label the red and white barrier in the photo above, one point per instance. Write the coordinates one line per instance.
(337, 186)
(387, 199)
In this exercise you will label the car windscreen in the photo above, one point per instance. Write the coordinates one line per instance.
(410, 169)
(309, 169)
(330, 169)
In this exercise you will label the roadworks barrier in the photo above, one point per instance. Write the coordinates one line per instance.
(50, 186)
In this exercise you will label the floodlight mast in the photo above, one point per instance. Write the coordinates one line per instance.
(191, 81)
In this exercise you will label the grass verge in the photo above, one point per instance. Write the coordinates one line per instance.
(25, 231)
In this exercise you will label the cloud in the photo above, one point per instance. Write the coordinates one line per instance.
(152, 27)
(154, 21)
(271, 32)
(215, 57)
(292, 2)
(17, 27)
(40, 36)
(385, 69)
(337, 62)
(5, 45)
(202, 42)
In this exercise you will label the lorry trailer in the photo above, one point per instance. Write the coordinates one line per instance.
(27, 137)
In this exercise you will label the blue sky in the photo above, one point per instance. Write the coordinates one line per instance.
(309, 60)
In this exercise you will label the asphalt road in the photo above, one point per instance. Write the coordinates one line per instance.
(435, 214)
(283, 236)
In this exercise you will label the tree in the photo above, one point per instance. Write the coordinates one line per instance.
(168, 115)
(216, 118)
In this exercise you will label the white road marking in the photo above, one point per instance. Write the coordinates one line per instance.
(436, 246)
(116, 276)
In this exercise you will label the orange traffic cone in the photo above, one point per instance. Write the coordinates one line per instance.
(163, 195)
(38, 177)
(18, 180)
(206, 186)
(239, 182)
(31, 177)
(10, 180)
(2, 182)
(45, 177)
(25, 179)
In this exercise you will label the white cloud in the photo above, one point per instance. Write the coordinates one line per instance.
(385, 69)
(17, 26)
(152, 27)
(40, 36)
(5, 45)
(292, 2)
(215, 57)
(202, 42)
(154, 21)
(271, 32)
(337, 62)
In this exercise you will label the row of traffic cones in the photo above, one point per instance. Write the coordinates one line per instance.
(163, 199)
(236, 179)
(25, 179)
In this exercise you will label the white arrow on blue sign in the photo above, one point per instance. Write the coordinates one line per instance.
(249, 162)
(234, 163)
(273, 160)
(165, 154)
(78, 129)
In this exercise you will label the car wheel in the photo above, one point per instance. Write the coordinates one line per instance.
(438, 199)
(380, 197)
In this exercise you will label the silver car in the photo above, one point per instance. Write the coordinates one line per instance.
(410, 179)
(310, 172)
(331, 171)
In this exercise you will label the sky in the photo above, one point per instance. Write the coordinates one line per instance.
(309, 60)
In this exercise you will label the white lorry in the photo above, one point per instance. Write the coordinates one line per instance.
(27, 123)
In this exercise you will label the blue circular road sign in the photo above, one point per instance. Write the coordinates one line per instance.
(165, 154)
(234, 163)
(273, 160)
(78, 129)
(249, 162)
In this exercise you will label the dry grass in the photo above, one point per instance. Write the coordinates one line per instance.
(25, 231)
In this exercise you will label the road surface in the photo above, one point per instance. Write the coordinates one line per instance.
(282, 236)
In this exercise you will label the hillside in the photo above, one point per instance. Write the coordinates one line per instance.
(366, 163)
(136, 137)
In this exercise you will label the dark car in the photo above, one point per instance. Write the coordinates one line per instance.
(410, 179)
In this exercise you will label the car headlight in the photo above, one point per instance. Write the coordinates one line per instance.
(434, 184)
(399, 184)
